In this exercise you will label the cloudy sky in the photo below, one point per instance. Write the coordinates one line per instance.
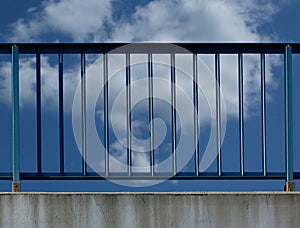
(177, 21)
(147, 21)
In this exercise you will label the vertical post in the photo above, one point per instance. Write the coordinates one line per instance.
(263, 113)
(196, 110)
(151, 114)
(128, 113)
(218, 112)
(61, 113)
(173, 102)
(290, 184)
(38, 113)
(83, 111)
(241, 111)
(106, 130)
(16, 185)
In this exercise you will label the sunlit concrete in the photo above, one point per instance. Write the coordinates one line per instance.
(150, 209)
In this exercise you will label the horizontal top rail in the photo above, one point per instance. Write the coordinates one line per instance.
(159, 48)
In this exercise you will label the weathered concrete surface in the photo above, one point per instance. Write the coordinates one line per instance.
(150, 210)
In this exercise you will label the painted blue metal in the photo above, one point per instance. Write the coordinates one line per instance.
(83, 112)
(38, 113)
(106, 128)
(173, 111)
(241, 111)
(218, 112)
(288, 113)
(151, 112)
(263, 113)
(196, 112)
(15, 114)
(150, 49)
(61, 113)
(128, 114)
(146, 176)
(155, 48)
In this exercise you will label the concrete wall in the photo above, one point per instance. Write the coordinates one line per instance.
(150, 210)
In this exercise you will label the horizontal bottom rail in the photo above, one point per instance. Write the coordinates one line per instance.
(147, 176)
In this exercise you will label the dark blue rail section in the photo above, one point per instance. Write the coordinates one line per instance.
(216, 49)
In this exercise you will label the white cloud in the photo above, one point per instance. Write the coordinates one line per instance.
(200, 21)
(163, 20)
(74, 20)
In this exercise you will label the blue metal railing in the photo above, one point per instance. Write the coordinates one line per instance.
(195, 48)
(15, 114)
(288, 112)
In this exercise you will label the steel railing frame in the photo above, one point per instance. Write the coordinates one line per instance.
(152, 48)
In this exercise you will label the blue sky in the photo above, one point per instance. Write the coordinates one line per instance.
(139, 21)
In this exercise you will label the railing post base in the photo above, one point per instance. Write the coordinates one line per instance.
(289, 186)
(16, 187)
